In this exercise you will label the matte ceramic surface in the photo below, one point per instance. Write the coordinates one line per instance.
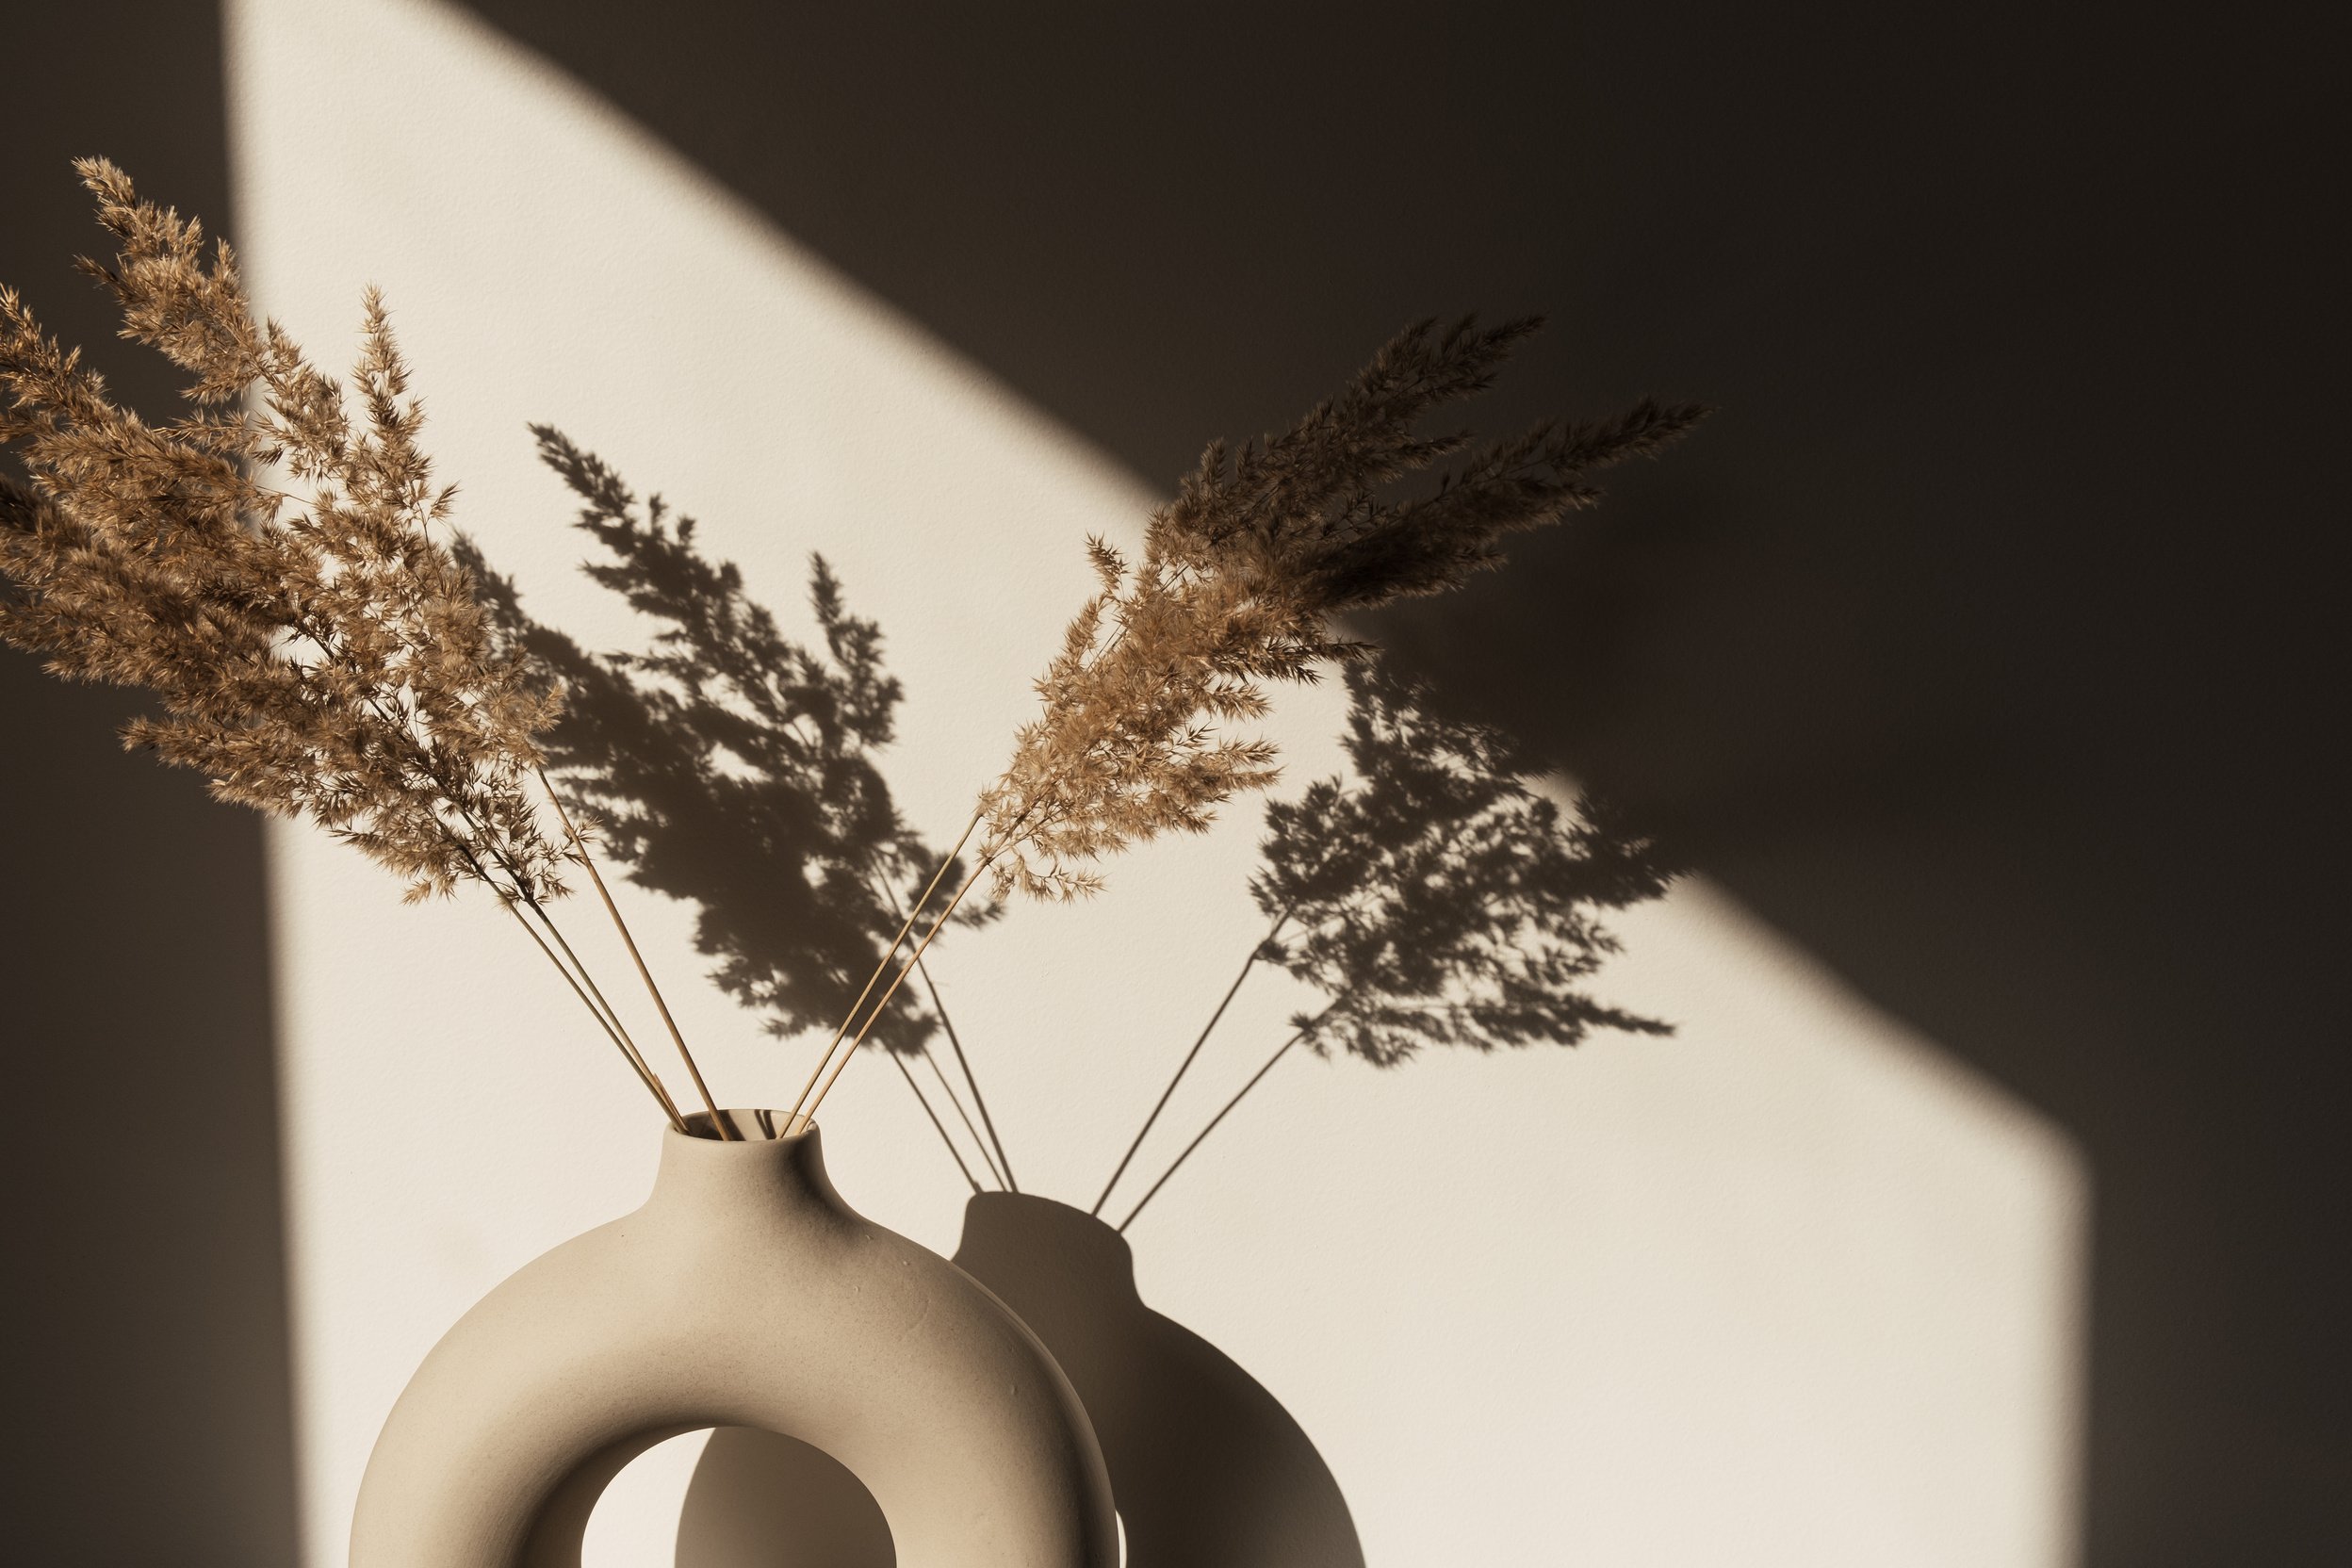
(744, 1294)
(1209, 1470)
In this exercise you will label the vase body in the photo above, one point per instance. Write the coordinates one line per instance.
(1207, 1468)
(744, 1294)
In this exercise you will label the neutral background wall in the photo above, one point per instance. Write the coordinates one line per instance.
(143, 1348)
(1793, 1262)
(1978, 649)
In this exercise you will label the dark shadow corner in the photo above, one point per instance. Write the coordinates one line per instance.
(144, 1321)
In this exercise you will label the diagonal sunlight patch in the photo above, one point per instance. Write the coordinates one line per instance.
(1789, 1288)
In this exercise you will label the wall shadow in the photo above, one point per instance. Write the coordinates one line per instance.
(1432, 897)
(1985, 642)
(759, 1499)
(731, 767)
(143, 1324)
(1208, 1469)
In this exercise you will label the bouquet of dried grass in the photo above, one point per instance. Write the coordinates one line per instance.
(320, 652)
(334, 651)
(1239, 579)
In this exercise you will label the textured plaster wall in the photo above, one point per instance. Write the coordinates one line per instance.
(1789, 1288)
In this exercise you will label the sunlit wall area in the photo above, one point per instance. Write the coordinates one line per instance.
(1787, 1287)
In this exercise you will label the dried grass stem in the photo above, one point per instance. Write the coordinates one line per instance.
(1257, 952)
(897, 980)
(580, 848)
(946, 864)
(1201, 1136)
(620, 1039)
(953, 1152)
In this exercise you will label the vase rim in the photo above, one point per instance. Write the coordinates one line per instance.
(694, 1170)
(754, 1124)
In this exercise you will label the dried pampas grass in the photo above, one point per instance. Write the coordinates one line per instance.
(276, 567)
(318, 652)
(1240, 577)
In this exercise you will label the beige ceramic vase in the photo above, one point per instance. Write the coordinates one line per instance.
(744, 1294)
(1208, 1469)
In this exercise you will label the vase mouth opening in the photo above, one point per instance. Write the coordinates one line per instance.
(750, 1124)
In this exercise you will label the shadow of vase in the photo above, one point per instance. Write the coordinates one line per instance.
(1208, 1469)
(759, 1497)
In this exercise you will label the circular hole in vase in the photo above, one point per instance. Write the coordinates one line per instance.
(786, 1505)
(782, 1504)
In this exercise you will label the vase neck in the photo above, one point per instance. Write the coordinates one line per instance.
(707, 1174)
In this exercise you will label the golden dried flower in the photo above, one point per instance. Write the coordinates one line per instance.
(1239, 576)
(321, 655)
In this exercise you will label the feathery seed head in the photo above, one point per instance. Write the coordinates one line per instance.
(1240, 575)
(318, 655)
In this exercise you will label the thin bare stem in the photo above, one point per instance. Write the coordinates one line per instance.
(897, 980)
(512, 893)
(947, 1087)
(1003, 1161)
(1186, 1066)
(579, 850)
(1201, 1136)
(939, 1005)
(1000, 1163)
(953, 1152)
(515, 890)
(905, 926)
(620, 1042)
(609, 1012)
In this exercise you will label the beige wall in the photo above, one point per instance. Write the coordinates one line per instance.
(1789, 1288)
